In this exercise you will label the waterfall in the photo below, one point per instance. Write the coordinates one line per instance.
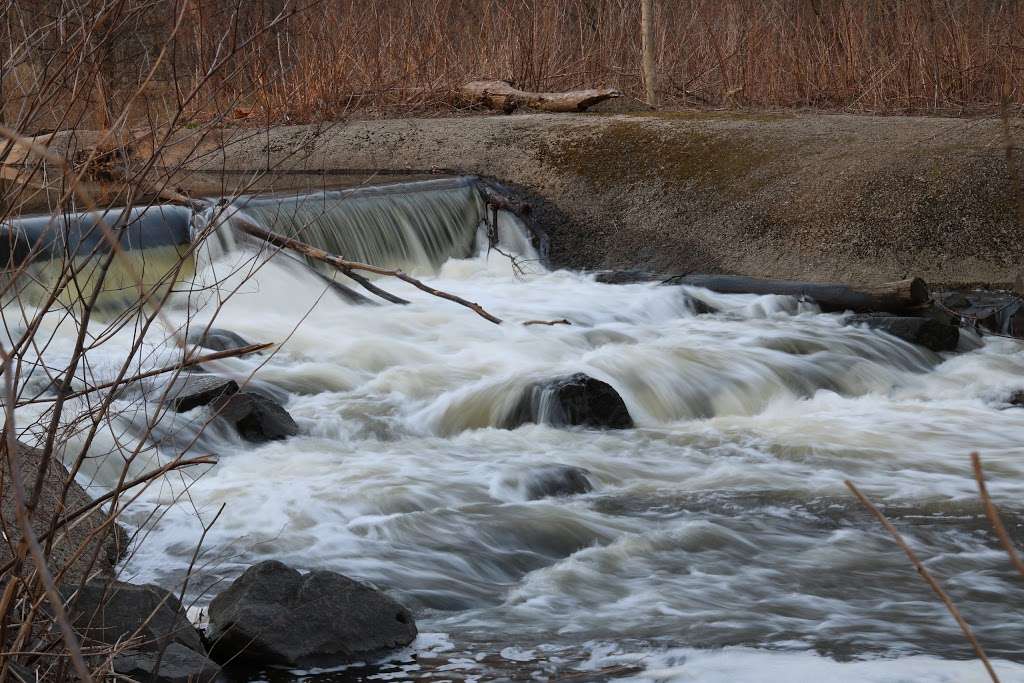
(413, 226)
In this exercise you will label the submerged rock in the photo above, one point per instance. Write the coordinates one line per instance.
(217, 339)
(576, 401)
(108, 611)
(930, 333)
(556, 480)
(257, 418)
(192, 390)
(272, 614)
(177, 664)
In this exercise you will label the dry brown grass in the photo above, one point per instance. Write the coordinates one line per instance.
(330, 58)
(404, 56)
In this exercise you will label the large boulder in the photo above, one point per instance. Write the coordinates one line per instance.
(76, 546)
(107, 611)
(575, 401)
(177, 664)
(931, 333)
(256, 417)
(272, 614)
(556, 480)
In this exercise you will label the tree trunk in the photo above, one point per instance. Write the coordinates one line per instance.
(647, 47)
(889, 297)
(501, 95)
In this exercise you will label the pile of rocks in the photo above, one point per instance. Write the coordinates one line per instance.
(270, 615)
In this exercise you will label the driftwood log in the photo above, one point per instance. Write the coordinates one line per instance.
(503, 96)
(891, 297)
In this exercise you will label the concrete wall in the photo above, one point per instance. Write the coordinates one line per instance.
(823, 197)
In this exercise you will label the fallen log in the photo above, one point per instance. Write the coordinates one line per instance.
(890, 297)
(503, 96)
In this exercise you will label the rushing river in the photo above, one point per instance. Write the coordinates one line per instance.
(719, 542)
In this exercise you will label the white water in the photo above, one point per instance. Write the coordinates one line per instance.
(721, 521)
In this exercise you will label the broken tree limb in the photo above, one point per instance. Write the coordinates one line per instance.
(890, 297)
(503, 96)
(187, 363)
(348, 266)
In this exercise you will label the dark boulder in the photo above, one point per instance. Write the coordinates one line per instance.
(256, 417)
(575, 401)
(177, 664)
(699, 306)
(928, 332)
(1016, 398)
(216, 339)
(192, 390)
(107, 611)
(272, 614)
(556, 480)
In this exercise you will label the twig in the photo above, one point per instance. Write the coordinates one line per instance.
(187, 363)
(347, 266)
(563, 321)
(929, 579)
(993, 515)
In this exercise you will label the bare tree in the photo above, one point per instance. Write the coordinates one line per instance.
(647, 46)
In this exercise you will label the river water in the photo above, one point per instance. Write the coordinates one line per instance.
(719, 542)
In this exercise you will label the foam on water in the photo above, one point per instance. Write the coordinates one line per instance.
(721, 521)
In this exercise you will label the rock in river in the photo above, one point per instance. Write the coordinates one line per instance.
(272, 614)
(217, 339)
(107, 611)
(193, 390)
(576, 400)
(256, 417)
(930, 333)
(556, 480)
(177, 664)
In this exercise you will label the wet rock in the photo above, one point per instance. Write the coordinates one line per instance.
(192, 390)
(930, 333)
(1016, 398)
(996, 311)
(107, 611)
(256, 417)
(557, 480)
(59, 494)
(576, 401)
(217, 339)
(272, 614)
(699, 306)
(178, 664)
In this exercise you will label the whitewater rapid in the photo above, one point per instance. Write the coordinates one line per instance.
(719, 543)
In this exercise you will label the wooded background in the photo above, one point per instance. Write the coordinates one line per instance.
(300, 60)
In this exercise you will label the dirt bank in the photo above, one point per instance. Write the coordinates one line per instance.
(825, 197)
